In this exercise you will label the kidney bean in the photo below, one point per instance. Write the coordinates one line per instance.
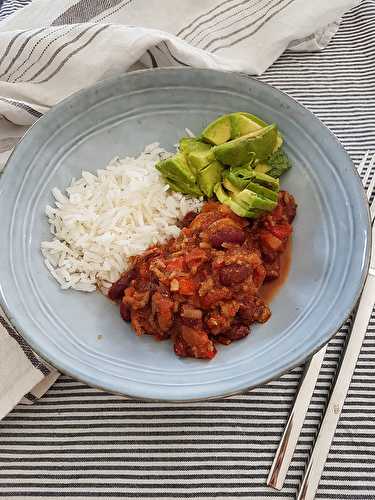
(117, 289)
(125, 311)
(234, 274)
(227, 235)
(188, 219)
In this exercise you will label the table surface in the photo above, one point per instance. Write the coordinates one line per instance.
(79, 442)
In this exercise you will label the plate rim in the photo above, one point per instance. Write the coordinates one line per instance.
(330, 333)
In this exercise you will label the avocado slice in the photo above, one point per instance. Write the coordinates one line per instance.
(189, 144)
(239, 151)
(262, 123)
(242, 125)
(198, 160)
(221, 195)
(262, 191)
(240, 177)
(181, 187)
(229, 186)
(218, 131)
(254, 118)
(209, 177)
(241, 210)
(266, 181)
(279, 142)
(250, 201)
(176, 168)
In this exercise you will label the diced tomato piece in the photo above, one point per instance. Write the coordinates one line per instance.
(281, 231)
(198, 342)
(143, 270)
(195, 258)
(187, 286)
(176, 264)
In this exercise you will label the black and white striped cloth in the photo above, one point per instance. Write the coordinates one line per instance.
(79, 442)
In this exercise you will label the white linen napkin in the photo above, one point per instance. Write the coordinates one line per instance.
(48, 50)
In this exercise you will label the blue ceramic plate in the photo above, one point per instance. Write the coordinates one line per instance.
(83, 334)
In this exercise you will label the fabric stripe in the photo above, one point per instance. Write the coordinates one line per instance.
(248, 35)
(22, 105)
(20, 50)
(216, 13)
(29, 55)
(10, 45)
(8, 7)
(57, 52)
(153, 60)
(84, 10)
(178, 61)
(63, 33)
(26, 349)
(236, 19)
(74, 52)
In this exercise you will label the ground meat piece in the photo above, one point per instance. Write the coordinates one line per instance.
(259, 275)
(214, 296)
(204, 220)
(195, 258)
(138, 322)
(194, 343)
(162, 307)
(217, 323)
(135, 299)
(262, 312)
(253, 309)
(222, 318)
(125, 311)
(237, 332)
(272, 269)
(234, 274)
(229, 308)
(289, 206)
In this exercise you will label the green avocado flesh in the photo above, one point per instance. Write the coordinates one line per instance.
(243, 125)
(240, 151)
(218, 131)
(189, 145)
(238, 158)
(209, 177)
(198, 160)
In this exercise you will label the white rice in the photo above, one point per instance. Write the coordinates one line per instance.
(104, 219)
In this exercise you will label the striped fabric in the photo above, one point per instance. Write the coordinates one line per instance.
(8, 7)
(81, 443)
(24, 377)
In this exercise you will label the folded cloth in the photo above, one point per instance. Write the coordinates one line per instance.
(24, 377)
(51, 49)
